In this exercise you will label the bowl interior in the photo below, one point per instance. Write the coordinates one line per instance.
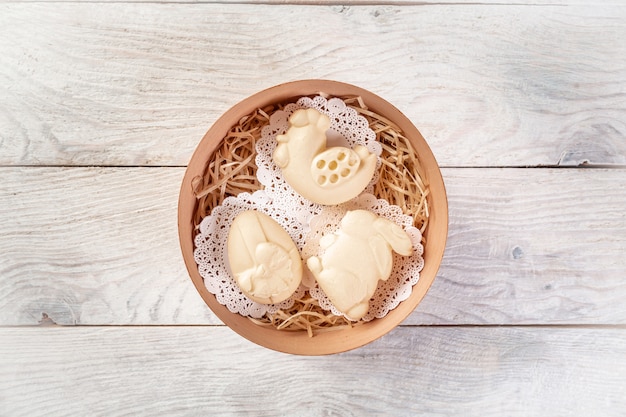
(331, 341)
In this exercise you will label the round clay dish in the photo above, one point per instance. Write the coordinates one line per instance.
(333, 341)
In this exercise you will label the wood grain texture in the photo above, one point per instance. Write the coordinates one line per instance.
(139, 84)
(93, 246)
(99, 246)
(532, 246)
(412, 371)
(127, 89)
(350, 3)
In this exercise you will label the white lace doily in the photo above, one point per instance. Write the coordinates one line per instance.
(305, 221)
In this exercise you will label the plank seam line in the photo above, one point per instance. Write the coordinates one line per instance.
(460, 326)
(358, 3)
(581, 167)
(81, 166)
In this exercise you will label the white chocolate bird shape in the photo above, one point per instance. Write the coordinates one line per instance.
(355, 258)
(263, 259)
(325, 176)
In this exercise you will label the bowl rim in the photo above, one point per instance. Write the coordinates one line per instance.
(330, 342)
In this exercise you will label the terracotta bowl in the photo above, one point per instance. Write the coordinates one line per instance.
(324, 342)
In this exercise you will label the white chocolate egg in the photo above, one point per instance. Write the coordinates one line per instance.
(263, 259)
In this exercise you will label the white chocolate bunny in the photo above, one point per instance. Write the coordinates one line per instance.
(325, 176)
(355, 258)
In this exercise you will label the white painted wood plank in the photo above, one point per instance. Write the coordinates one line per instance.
(100, 246)
(139, 84)
(350, 3)
(93, 246)
(532, 246)
(440, 371)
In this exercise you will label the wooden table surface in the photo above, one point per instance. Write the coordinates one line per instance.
(523, 103)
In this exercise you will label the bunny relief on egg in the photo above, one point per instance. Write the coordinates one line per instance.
(355, 258)
(325, 176)
(264, 261)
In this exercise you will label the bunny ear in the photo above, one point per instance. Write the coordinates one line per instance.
(394, 235)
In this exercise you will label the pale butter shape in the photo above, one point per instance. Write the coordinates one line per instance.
(324, 176)
(263, 259)
(355, 258)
